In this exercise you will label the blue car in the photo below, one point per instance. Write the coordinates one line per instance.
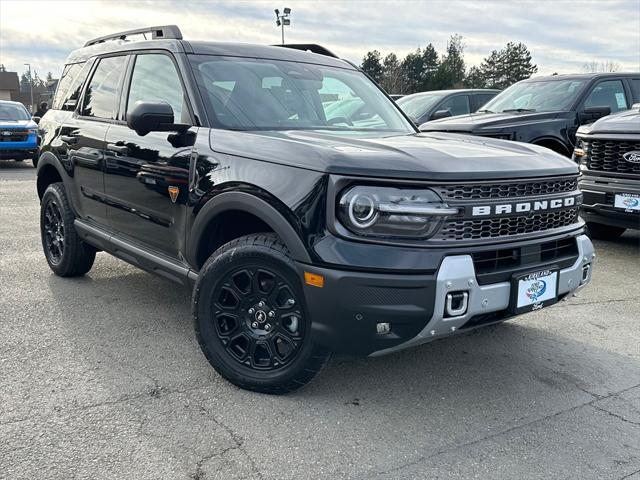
(18, 133)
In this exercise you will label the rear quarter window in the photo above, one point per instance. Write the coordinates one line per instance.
(67, 83)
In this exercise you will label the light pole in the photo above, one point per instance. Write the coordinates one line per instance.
(283, 19)
(30, 85)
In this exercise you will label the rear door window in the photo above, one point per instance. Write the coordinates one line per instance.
(457, 105)
(483, 98)
(101, 95)
(609, 93)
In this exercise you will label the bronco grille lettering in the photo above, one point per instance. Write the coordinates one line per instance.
(523, 207)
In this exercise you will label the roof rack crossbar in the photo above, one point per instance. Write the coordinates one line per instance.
(310, 47)
(160, 32)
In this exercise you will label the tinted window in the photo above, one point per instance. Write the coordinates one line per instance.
(101, 96)
(635, 89)
(415, 106)
(608, 94)
(154, 79)
(68, 75)
(263, 94)
(457, 105)
(70, 85)
(483, 98)
(541, 96)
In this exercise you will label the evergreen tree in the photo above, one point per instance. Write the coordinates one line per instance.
(392, 74)
(412, 66)
(430, 64)
(451, 71)
(475, 78)
(372, 65)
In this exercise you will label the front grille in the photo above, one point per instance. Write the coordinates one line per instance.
(507, 226)
(13, 135)
(506, 190)
(606, 156)
(499, 265)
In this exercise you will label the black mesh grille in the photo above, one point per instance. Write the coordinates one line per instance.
(504, 227)
(506, 190)
(606, 156)
(13, 136)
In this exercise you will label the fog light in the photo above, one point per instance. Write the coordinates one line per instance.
(456, 304)
(383, 328)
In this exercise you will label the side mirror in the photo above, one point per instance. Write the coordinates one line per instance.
(594, 113)
(440, 114)
(36, 119)
(147, 117)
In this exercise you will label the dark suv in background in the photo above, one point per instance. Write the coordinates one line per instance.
(426, 106)
(547, 111)
(609, 155)
(217, 166)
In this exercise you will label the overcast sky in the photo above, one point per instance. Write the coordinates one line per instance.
(561, 34)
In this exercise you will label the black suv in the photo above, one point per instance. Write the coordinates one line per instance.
(547, 111)
(609, 155)
(426, 106)
(214, 165)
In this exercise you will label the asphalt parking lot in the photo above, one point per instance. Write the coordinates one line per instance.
(101, 377)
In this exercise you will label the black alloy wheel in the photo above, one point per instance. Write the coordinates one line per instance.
(251, 318)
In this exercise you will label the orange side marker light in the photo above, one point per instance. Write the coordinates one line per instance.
(313, 279)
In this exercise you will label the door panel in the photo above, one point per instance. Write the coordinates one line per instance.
(139, 174)
(85, 142)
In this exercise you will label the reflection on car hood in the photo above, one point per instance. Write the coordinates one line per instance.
(475, 121)
(623, 122)
(433, 156)
(13, 124)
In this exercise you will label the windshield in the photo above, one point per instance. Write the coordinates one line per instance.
(415, 106)
(260, 94)
(536, 96)
(13, 112)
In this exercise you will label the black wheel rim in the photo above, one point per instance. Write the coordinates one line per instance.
(258, 318)
(53, 231)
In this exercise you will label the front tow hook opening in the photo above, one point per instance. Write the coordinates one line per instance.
(456, 304)
(586, 271)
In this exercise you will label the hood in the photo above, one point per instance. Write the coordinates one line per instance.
(424, 156)
(478, 121)
(623, 122)
(15, 124)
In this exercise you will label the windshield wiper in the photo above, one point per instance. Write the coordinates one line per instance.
(484, 110)
(519, 110)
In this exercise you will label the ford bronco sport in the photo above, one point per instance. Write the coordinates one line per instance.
(609, 155)
(215, 165)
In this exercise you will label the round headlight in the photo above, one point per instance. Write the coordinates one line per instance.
(362, 210)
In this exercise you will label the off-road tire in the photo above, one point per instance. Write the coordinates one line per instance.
(71, 256)
(259, 253)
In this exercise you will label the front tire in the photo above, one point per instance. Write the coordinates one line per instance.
(600, 231)
(251, 319)
(66, 254)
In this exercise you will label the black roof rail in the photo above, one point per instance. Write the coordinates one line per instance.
(160, 32)
(309, 47)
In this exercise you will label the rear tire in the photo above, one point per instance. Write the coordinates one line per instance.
(251, 319)
(66, 254)
(600, 231)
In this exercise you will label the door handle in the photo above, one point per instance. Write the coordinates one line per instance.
(68, 139)
(117, 148)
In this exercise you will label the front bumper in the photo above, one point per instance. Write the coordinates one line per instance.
(598, 201)
(345, 312)
(19, 150)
